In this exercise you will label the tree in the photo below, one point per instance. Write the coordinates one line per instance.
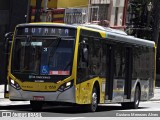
(138, 22)
(147, 25)
(155, 35)
(156, 20)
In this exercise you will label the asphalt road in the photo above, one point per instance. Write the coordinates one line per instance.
(105, 112)
(109, 110)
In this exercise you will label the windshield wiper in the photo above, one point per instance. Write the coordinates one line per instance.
(53, 50)
(67, 65)
(28, 40)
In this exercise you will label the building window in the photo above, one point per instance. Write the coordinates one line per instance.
(99, 12)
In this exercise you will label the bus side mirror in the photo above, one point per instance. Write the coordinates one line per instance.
(7, 43)
(85, 54)
(84, 50)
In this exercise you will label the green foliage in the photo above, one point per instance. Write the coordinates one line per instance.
(138, 20)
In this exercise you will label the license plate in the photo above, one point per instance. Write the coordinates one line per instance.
(38, 98)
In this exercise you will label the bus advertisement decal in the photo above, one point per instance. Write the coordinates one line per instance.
(59, 73)
(39, 77)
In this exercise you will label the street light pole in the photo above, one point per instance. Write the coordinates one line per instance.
(124, 12)
(149, 8)
(28, 11)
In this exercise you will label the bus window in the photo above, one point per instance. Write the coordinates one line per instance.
(83, 53)
(83, 57)
(95, 56)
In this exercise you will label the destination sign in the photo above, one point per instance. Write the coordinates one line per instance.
(44, 31)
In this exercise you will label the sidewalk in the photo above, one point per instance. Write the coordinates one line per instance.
(156, 94)
(7, 102)
(1, 91)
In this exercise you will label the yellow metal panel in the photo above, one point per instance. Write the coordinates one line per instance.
(74, 68)
(63, 3)
(37, 86)
(85, 91)
(103, 34)
(58, 15)
(72, 3)
(32, 18)
(51, 3)
(33, 2)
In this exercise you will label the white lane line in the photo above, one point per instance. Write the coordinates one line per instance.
(74, 118)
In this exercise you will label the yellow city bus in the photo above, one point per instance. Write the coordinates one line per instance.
(80, 64)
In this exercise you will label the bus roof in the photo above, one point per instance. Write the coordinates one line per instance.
(46, 24)
(113, 34)
(121, 36)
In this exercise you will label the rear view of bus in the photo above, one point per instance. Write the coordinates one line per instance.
(41, 60)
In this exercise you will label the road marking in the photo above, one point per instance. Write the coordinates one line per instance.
(74, 118)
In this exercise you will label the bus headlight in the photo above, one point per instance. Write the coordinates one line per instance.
(14, 84)
(65, 86)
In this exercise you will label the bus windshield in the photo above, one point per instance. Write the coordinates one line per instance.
(43, 55)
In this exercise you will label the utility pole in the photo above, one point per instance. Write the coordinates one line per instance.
(124, 12)
(44, 14)
(38, 11)
(28, 11)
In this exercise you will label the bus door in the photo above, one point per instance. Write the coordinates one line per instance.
(128, 73)
(109, 71)
(7, 47)
(117, 71)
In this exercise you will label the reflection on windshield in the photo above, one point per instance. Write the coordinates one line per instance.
(43, 56)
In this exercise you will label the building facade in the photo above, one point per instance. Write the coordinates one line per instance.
(10, 16)
(13, 12)
(113, 11)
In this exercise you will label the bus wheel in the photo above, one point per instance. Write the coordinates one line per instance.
(94, 101)
(135, 103)
(36, 105)
(137, 95)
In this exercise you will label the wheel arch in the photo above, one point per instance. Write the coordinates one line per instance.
(138, 85)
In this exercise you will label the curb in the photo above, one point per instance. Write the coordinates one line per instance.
(154, 100)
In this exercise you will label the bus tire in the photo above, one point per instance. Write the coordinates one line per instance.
(94, 101)
(36, 105)
(135, 103)
(137, 95)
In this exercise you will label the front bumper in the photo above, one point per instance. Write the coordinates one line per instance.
(65, 96)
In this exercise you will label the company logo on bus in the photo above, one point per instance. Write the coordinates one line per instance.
(40, 31)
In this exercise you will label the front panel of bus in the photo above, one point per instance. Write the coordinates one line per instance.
(41, 64)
